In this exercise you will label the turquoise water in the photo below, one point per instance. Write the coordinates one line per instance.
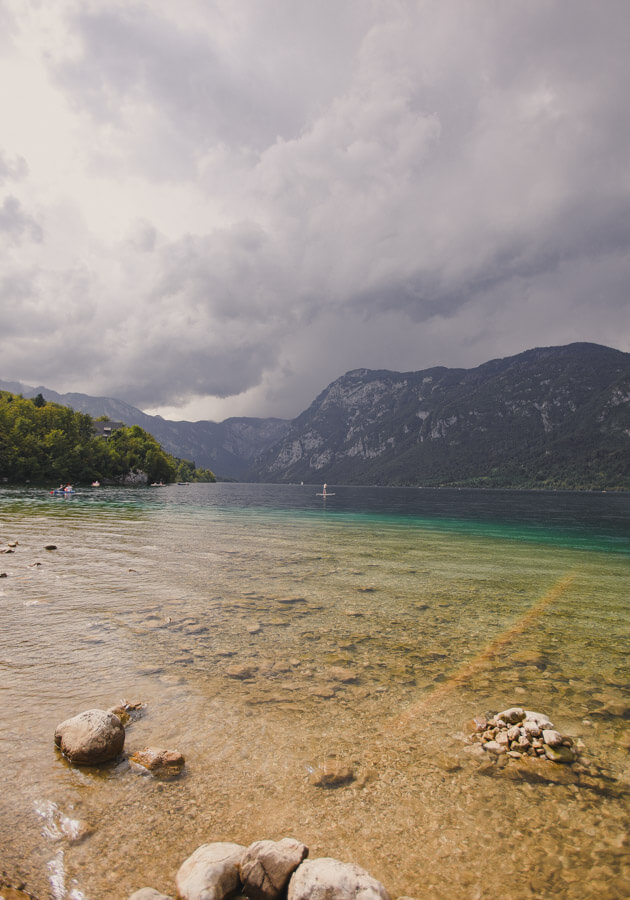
(271, 632)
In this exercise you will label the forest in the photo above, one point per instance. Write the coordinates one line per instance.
(42, 442)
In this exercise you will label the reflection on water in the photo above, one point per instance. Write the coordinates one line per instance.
(270, 633)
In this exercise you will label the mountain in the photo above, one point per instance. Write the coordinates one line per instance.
(548, 417)
(228, 447)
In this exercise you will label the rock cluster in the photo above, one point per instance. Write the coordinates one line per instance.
(97, 736)
(267, 870)
(518, 732)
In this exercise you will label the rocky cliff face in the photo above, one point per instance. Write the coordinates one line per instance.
(558, 415)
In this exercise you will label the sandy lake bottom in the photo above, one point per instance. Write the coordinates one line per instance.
(268, 646)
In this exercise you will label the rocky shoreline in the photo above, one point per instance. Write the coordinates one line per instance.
(279, 870)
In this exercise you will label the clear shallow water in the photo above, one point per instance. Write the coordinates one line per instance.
(230, 611)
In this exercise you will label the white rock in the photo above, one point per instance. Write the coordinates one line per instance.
(532, 728)
(330, 879)
(512, 715)
(551, 737)
(266, 867)
(540, 719)
(148, 893)
(211, 873)
(494, 747)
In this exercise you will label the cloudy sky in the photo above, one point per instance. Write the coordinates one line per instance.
(216, 207)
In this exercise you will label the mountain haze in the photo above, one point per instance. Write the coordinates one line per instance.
(547, 417)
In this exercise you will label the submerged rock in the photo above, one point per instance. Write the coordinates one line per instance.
(341, 673)
(559, 754)
(240, 671)
(94, 736)
(127, 711)
(331, 774)
(539, 770)
(158, 761)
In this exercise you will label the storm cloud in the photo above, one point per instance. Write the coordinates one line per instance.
(217, 208)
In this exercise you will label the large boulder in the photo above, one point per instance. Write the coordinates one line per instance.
(94, 736)
(211, 873)
(330, 879)
(267, 866)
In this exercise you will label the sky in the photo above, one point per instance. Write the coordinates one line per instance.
(217, 207)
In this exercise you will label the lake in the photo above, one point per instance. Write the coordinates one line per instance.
(271, 634)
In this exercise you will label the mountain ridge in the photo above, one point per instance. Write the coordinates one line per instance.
(546, 417)
(226, 447)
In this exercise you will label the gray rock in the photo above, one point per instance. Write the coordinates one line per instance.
(267, 866)
(330, 879)
(211, 873)
(540, 719)
(551, 737)
(512, 716)
(94, 736)
(494, 747)
(148, 893)
(531, 727)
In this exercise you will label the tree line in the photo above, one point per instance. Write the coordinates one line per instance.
(42, 441)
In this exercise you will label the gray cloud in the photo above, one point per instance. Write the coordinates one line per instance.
(12, 169)
(308, 188)
(15, 224)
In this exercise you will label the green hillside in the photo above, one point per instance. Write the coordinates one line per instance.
(43, 442)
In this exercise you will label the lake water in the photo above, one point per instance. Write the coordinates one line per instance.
(270, 633)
